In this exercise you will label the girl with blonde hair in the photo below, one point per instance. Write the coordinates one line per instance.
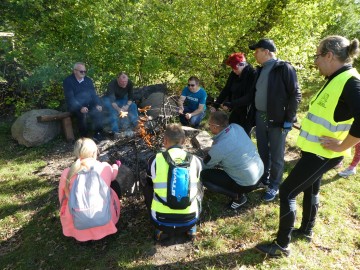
(85, 150)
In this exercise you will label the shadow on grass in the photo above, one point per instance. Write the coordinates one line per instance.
(216, 205)
(40, 244)
(12, 209)
(327, 181)
(231, 260)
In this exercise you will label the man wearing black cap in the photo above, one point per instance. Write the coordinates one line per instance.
(277, 96)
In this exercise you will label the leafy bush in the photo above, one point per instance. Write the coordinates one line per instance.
(158, 41)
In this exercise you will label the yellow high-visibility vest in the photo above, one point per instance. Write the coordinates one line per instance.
(320, 119)
(160, 184)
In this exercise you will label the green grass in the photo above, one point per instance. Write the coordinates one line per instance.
(31, 236)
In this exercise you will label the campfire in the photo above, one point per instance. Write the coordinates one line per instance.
(134, 152)
(141, 126)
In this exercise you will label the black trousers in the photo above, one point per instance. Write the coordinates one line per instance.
(305, 177)
(219, 181)
(82, 118)
(239, 117)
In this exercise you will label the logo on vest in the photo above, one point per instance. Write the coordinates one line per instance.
(323, 100)
(173, 187)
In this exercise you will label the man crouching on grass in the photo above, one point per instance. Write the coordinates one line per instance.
(172, 189)
(241, 165)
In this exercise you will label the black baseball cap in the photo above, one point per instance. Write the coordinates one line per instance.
(264, 43)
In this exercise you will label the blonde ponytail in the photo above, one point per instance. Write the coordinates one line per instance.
(83, 148)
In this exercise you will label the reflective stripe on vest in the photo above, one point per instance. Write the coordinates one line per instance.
(320, 118)
(160, 184)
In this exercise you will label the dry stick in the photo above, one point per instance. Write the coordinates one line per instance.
(136, 167)
(164, 110)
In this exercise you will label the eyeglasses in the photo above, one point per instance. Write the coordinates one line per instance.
(81, 71)
(192, 85)
(241, 64)
(316, 56)
(211, 124)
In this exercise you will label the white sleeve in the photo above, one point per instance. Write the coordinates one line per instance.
(153, 171)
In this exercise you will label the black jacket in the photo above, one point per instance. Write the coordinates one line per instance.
(239, 91)
(283, 94)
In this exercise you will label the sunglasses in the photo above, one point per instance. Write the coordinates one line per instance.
(241, 64)
(316, 56)
(192, 85)
(81, 71)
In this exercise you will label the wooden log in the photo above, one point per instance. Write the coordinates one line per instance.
(65, 123)
(67, 128)
(53, 117)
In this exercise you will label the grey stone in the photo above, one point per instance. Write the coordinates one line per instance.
(202, 141)
(126, 179)
(29, 132)
(190, 132)
(158, 98)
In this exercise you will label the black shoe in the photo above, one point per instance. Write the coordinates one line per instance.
(236, 204)
(273, 250)
(160, 235)
(98, 137)
(300, 234)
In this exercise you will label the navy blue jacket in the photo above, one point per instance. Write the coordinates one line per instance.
(78, 95)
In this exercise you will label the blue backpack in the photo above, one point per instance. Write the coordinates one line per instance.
(178, 184)
(89, 200)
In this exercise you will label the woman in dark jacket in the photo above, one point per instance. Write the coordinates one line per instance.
(238, 94)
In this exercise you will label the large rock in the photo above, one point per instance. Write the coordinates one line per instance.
(157, 97)
(126, 179)
(190, 131)
(202, 141)
(29, 132)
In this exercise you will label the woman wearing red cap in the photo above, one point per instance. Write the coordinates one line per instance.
(238, 94)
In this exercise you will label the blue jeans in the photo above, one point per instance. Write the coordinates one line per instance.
(116, 122)
(304, 177)
(271, 148)
(194, 121)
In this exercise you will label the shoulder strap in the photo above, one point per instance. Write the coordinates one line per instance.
(169, 160)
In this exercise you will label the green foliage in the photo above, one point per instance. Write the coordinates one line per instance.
(160, 41)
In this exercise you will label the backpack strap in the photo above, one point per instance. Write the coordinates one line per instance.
(185, 163)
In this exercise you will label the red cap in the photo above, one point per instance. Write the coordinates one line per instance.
(234, 59)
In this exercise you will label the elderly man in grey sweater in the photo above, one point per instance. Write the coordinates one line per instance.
(240, 165)
(277, 96)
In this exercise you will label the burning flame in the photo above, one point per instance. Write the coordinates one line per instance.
(141, 126)
(145, 109)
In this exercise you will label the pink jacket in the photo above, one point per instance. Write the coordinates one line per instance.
(108, 173)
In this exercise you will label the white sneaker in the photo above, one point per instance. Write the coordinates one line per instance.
(347, 172)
